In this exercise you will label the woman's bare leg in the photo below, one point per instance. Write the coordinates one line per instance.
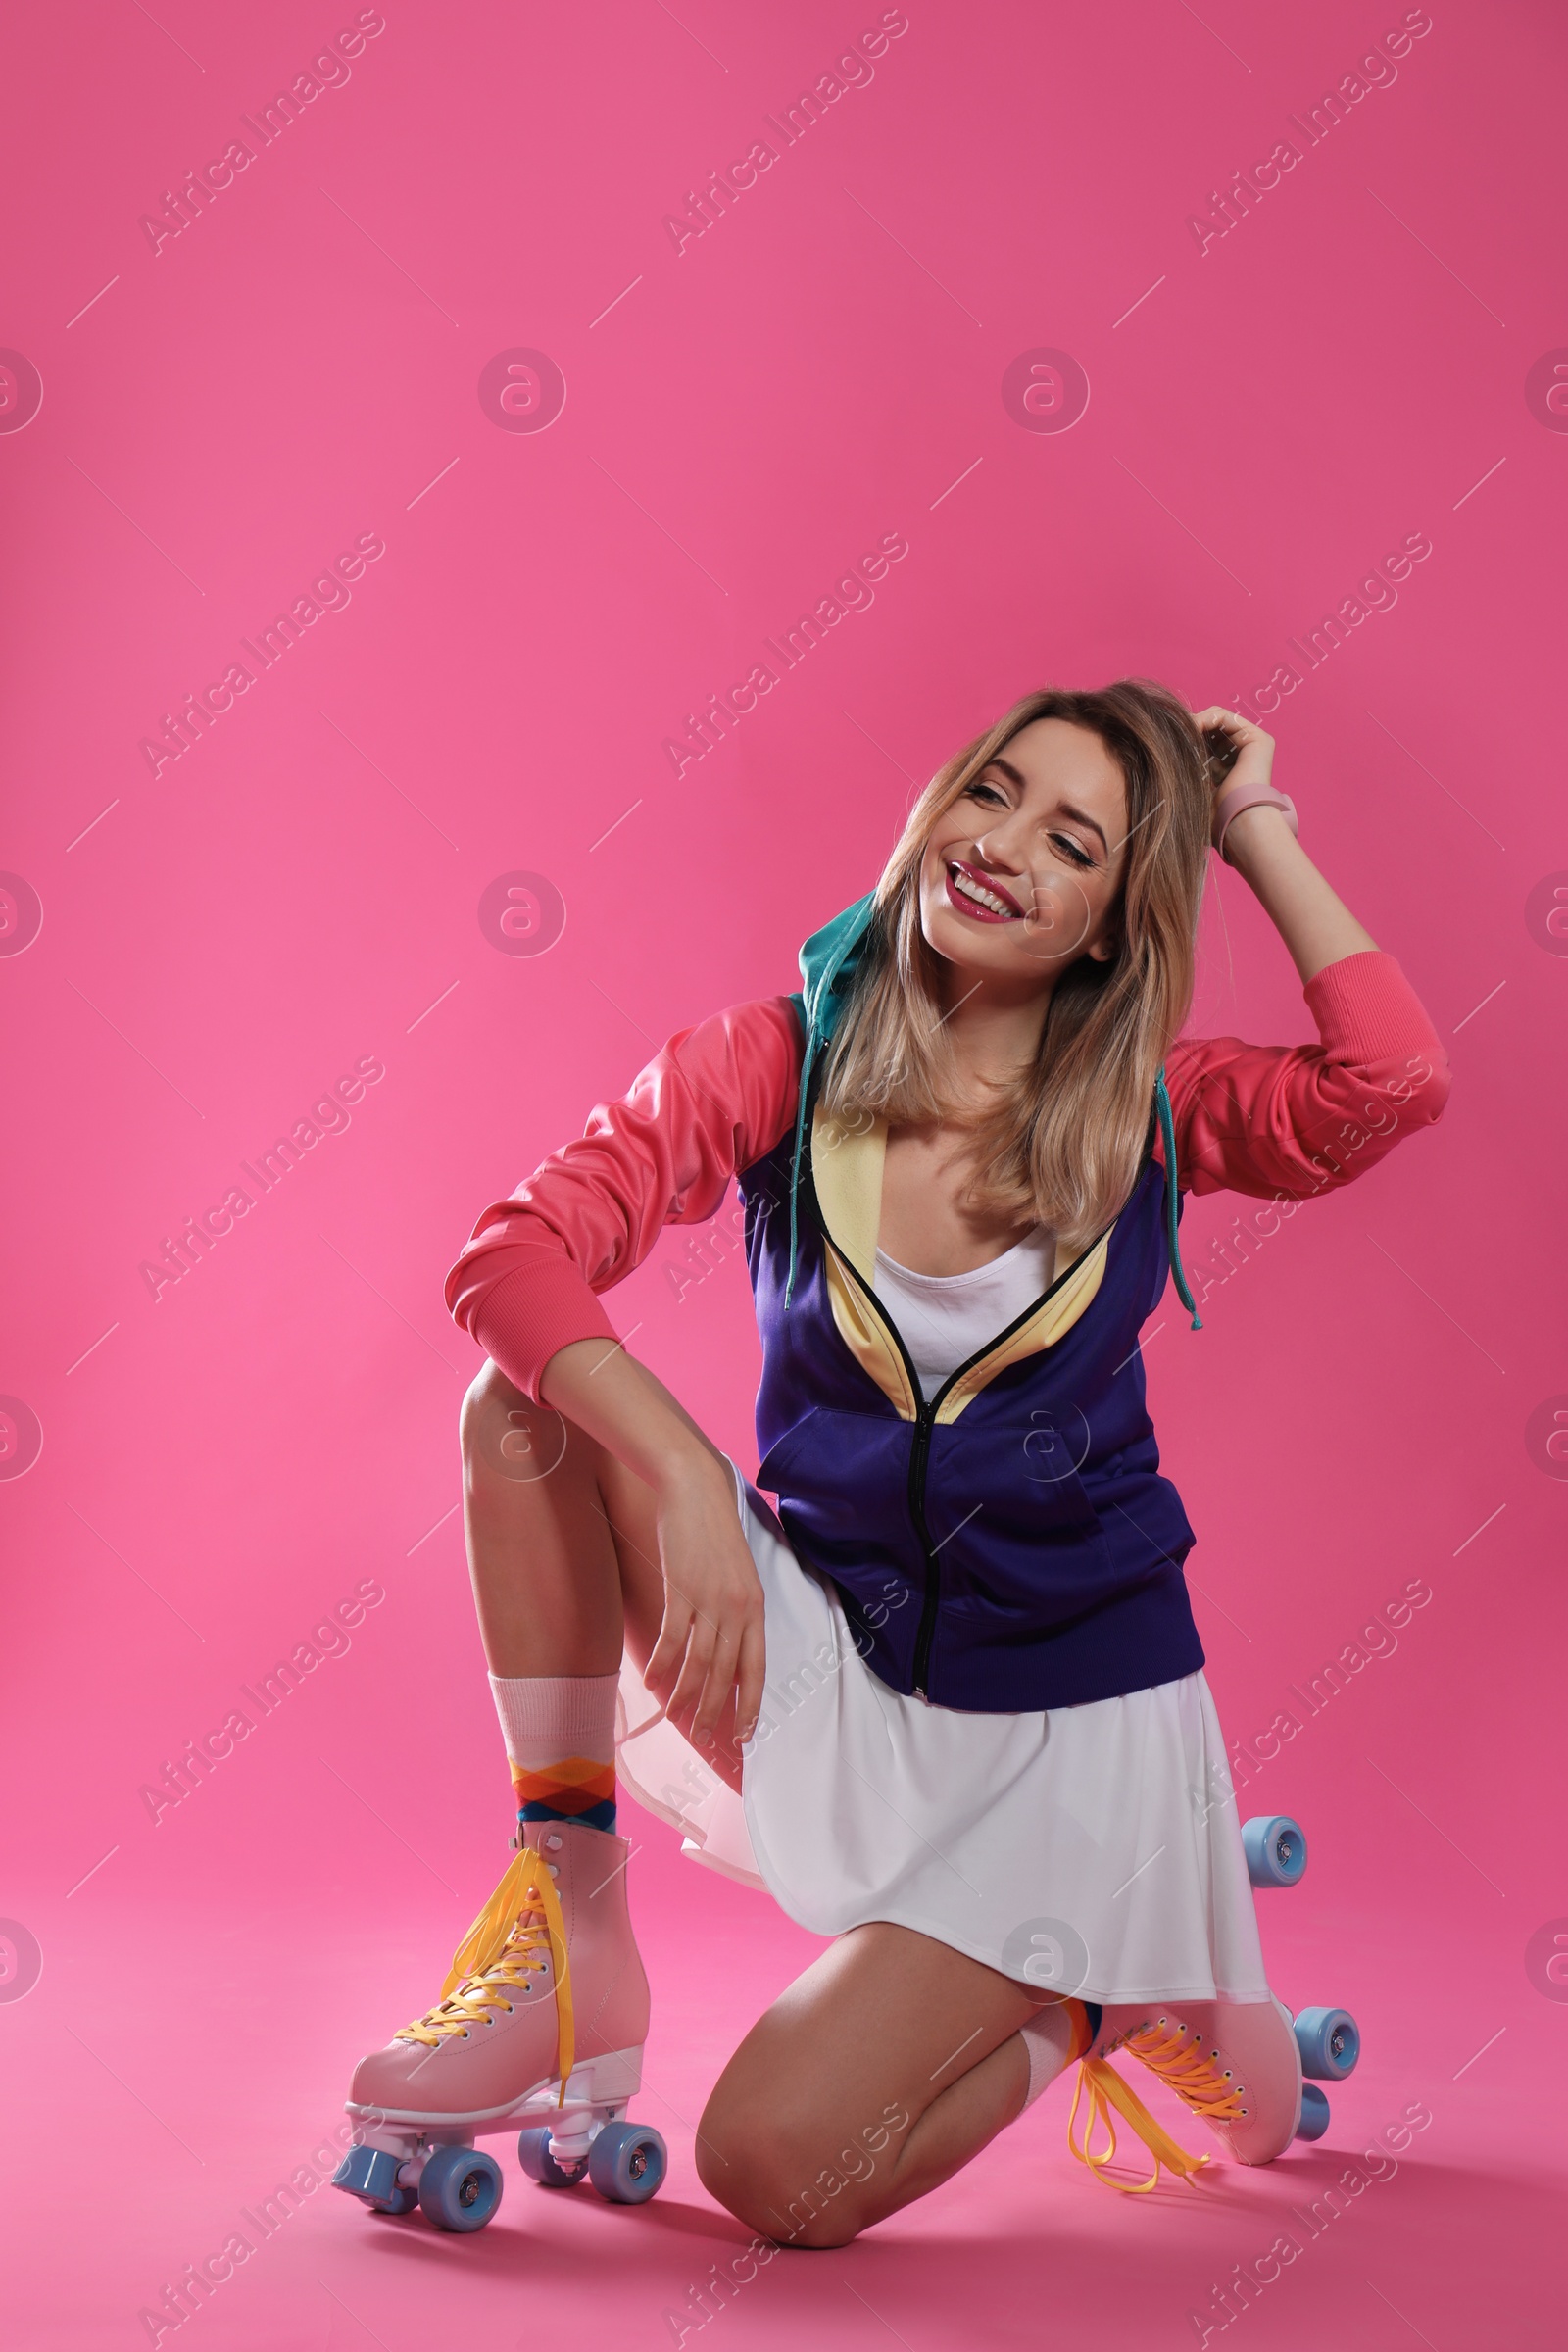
(562, 1546)
(894, 2059)
(560, 1539)
(878, 2075)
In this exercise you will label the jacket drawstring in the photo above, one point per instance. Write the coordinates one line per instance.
(1167, 1129)
(807, 1059)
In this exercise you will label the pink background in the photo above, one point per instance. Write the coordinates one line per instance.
(1268, 418)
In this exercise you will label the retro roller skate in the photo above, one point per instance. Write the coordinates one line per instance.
(1240, 2066)
(540, 2026)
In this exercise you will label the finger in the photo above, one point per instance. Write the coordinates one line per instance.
(749, 1679)
(686, 1695)
(718, 1685)
(669, 1650)
(1229, 723)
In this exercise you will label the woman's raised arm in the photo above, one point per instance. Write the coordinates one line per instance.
(1308, 915)
(1296, 1120)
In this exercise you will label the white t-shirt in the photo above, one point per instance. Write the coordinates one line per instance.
(944, 1319)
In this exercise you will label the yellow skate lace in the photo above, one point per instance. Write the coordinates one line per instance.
(1196, 2080)
(514, 1937)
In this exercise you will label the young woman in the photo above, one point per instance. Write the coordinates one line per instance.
(956, 1681)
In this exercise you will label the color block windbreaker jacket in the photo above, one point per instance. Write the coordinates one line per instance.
(1010, 1545)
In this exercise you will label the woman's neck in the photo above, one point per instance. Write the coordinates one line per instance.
(995, 1035)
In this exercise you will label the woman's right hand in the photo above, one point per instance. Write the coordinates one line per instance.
(709, 1652)
(709, 1655)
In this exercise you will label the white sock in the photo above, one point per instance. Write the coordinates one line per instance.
(1048, 2036)
(545, 1717)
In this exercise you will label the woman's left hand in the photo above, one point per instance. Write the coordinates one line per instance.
(1254, 761)
(1316, 926)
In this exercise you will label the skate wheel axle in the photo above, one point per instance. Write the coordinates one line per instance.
(1275, 1846)
(539, 2161)
(1330, 2043)
(460, 2187)
(627, 2163)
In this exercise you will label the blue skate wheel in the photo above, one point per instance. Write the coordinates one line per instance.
(372, 2174)
(533, 2154)
(459, 2188)
(1314, 2113)
(1330, 2043)
(1276, 1849)
(626, 2163)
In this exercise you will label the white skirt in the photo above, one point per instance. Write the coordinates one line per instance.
(1093, 1850)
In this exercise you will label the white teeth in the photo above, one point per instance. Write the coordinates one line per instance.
(981, 896)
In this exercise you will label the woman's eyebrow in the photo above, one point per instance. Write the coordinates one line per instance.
(1080, 816)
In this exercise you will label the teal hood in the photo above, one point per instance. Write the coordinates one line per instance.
(829, 960)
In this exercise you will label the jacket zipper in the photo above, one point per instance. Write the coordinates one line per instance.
(931, 1602)
(925, 1413)
(919, 1455)
(924, 1422)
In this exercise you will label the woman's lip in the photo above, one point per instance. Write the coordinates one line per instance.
(970, 906)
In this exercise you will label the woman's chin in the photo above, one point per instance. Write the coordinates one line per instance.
(970, 945)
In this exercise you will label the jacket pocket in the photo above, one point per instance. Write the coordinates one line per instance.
(1015, 1531)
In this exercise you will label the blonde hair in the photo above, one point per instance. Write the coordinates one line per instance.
(1063, 1146)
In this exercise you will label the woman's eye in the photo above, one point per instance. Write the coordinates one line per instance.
(987, 793)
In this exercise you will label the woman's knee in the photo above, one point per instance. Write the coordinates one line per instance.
(791, 2205)
(769, 2171)
(504, 1437)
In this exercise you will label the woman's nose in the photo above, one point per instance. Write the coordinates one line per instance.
(1000, 847)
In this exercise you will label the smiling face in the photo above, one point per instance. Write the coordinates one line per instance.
(1022, 875)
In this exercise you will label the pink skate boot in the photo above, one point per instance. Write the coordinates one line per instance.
(1239, 2065)
(540, 2026)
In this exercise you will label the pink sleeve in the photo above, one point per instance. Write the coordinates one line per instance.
(716, 1099)
(1295, 1119)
